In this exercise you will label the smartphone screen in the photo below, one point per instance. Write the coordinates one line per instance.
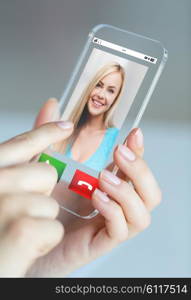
(99, 103)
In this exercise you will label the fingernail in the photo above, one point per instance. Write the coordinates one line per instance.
(101, 196)
(126, 153)
(110, 177)
(64, 124)
(139, 138)
(52, 99)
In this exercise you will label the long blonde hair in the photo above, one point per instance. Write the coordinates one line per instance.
(78, 110)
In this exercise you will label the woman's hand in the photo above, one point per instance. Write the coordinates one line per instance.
(28, 228)
(124, 212)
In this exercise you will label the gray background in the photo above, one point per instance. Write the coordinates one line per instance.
(40, 44)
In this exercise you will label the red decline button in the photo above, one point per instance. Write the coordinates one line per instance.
(83, 184)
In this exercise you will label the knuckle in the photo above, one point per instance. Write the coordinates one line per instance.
(51, 127)
(124, 235)
(144, 223)
(59, 230)
(158, 197)
(118, 215)
(53, 204)
(53, 239)
(26, 138)
(22, 229)
(18, 138)
(117, 212)
(142, 168)
(125, 192)
(4, 174)
(147, 222)
(5, 205)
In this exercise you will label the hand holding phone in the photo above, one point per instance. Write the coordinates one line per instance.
(105, 98)
(124, 212)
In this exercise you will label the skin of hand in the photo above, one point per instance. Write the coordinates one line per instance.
(124, 212)
(28, 228)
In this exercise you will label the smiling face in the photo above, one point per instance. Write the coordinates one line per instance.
(104, 94)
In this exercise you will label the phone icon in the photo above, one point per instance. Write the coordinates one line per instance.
(89, 186)
(83, 184)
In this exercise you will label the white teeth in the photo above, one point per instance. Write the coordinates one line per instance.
(96, 103)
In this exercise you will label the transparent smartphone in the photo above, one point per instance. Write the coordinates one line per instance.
(105, 98)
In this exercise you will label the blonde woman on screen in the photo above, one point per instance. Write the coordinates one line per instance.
(94, 134)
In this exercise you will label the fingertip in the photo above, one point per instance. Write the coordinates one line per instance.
(60, 230)
(102, 203)
(48, 112)
(100, 196)
(135, 141)
(139, 137)
(53, 132)
(53, 108)
(52, 99)
(64, 124)
(53, 207)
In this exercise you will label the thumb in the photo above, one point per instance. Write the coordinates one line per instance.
(23, 147)
(135, 141)
(49, 112)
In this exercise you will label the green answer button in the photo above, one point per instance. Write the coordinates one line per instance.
(59, 165)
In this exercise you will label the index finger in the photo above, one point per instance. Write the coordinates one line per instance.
(23, 147)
